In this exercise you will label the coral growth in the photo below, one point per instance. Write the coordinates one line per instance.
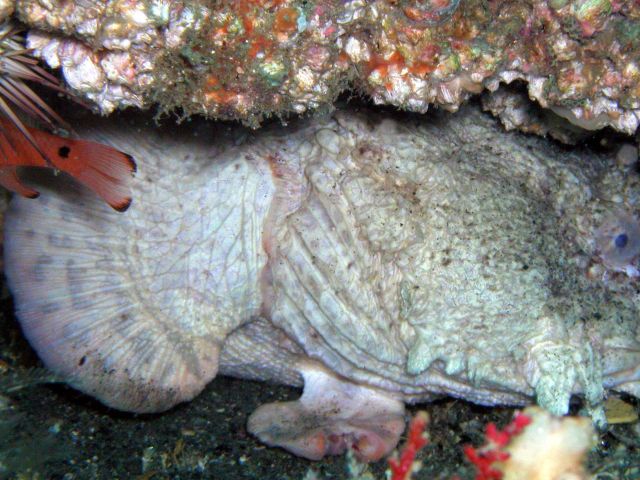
(249, 58)
(493, 452)
(534, 446)
(403, 466)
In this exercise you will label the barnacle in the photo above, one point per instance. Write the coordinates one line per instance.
(618, 242)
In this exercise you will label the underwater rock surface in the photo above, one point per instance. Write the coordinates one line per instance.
(248, 59)
(376, 260)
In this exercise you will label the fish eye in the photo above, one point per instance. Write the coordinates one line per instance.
(621, 240)
(618, 240)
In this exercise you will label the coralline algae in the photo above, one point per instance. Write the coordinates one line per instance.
(250, 58)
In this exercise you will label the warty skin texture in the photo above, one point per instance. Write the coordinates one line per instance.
(375, 260)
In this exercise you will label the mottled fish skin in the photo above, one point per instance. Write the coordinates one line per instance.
(400, 258)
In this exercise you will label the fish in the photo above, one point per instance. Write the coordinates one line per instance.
(372, 259)
(103, 169)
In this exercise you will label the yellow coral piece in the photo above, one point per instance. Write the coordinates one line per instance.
(619, 411)
(549, 448)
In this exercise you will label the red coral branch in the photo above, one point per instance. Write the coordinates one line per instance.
(484, 457)
(402, 468)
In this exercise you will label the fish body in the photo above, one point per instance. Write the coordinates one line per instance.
(103, 169)
(371, 260)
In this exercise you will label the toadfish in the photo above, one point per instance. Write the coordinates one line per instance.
(374, 260)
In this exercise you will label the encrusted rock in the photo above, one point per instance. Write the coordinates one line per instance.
(248, 59)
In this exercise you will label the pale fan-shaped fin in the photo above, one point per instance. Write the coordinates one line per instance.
(78, 301)
(332, 415)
